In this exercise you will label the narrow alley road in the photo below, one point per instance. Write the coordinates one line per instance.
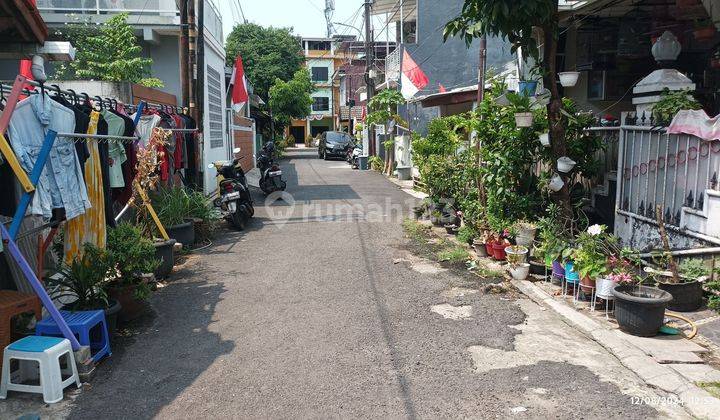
(319, 310)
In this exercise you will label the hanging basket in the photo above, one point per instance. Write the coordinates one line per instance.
(527, 87)
(565, 164)
(523, 119)
(569, 78)
(556, 183)
(544, 139)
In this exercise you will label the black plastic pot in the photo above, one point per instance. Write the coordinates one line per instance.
(537, 268)
(183, 233)
(640, 310)
(687, 297)
(165, 253)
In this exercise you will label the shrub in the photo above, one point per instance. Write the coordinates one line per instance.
(84, 279)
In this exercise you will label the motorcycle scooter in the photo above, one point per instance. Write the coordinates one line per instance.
(234, 198)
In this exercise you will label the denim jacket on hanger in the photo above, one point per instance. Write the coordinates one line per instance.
(61, 182)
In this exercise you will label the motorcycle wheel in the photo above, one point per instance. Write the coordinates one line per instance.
(238, 219)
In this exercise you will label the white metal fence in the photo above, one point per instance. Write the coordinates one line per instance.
(670, 170)
(98, 7)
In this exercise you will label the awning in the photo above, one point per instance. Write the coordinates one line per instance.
(20, 22)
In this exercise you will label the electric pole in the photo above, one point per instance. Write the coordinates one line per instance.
(369, 60)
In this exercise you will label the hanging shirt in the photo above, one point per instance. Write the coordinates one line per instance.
(145, 127)
(91, 226)
(61, 183)
(116, 151)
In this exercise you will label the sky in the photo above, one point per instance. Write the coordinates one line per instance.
(305, 16)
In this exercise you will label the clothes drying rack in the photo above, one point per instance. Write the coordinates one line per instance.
(30, 181)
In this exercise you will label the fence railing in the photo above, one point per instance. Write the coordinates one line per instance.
(607, 157)
(133, 7)
(670, 170)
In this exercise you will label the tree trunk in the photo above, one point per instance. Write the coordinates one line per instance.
(555, 118)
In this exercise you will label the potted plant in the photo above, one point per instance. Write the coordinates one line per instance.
(132, 257)
(640, 310)
(498, 248)
(672, 102)
(704, 30)
(82, 284)
(516, 254)
(565, 164)
(173, 210)
(451, 228)
(593, 247)
(525, 233)
(521, 104)
(205, 216)
(687, 293)
(544, 139)
(569, 78)
(519, 271)
(556, 183)
(466, 234)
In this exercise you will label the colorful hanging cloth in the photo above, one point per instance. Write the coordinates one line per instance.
(89, 227)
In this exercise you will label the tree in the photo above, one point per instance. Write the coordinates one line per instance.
(291, 99)
(517, 22)
(268, 54)
(109, 53)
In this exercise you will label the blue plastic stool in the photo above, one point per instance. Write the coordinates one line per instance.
(82, 324)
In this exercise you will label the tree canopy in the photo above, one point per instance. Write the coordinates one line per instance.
(291, 99)
(108, 51)
(268, 54)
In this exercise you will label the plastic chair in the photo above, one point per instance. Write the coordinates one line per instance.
(89, 327)
(47, 352)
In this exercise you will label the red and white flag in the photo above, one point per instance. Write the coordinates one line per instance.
(239, 92)
(412, 78)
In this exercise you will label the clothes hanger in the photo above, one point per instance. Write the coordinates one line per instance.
(86, 99)
(73, 97)
(99, 103)
(2, 94)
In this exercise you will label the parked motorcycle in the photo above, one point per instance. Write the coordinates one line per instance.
(234, 198)
(270, 173)
(354, 155)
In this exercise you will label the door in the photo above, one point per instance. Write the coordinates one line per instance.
(298, 133)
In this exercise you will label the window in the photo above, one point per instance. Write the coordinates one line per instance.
(319, 74)
(215, 111)
(321, 103)
(318, 45)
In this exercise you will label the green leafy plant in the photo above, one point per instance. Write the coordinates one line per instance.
(672, 102)
(174, 205)
(131, 256)
(466, 234)
(376, 163)
(291, 100)
(592, 250)
(693, 268)
(107, 51)
(84, 280)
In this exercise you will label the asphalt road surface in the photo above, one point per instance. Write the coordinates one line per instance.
(318, 309)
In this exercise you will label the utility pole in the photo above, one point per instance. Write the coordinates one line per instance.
(369, 60)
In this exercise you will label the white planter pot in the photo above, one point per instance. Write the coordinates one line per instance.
(565, 164)
(516, 253)
(556, 183)
(569, 78)
(523, 119)
(519, 271)
(604, 288)
(545, 139)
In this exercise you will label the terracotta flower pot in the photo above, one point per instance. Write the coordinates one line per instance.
(489, 248)
(499, 250)
(587, 284)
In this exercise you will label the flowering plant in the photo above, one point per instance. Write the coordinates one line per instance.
(622, 267)
(593, 248)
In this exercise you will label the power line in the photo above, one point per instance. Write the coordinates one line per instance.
(242, 12)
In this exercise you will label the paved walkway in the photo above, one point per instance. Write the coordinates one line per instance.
(320, 310)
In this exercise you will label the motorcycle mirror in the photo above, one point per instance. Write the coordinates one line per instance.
(236, 150)
(211, 165)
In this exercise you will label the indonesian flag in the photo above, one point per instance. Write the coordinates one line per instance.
(239, 92)
(412, 78)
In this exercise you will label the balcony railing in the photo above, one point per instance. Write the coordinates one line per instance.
(98, 7)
